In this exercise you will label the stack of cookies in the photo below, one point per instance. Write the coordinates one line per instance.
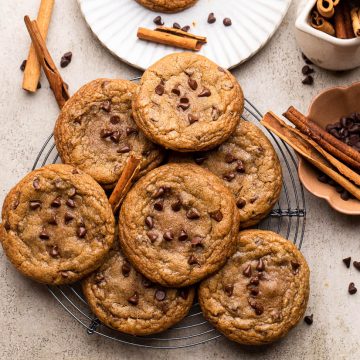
(205, 174)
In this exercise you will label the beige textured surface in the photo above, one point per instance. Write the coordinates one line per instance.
(192, 233)
(250, 168)
(35, 326)
(57, 225)
(167, 5)
(262, 291)
(185, 102)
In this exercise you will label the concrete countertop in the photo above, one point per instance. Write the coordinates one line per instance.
(34, 326)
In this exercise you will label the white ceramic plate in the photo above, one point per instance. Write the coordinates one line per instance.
(115, 23)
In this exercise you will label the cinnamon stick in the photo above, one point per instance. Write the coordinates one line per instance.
(172, 37)
(33, 67)
(319, 23)
(325, 8)
(342, 20)
(310, 153)
(330, 143)
(57, 84)
(123, 185)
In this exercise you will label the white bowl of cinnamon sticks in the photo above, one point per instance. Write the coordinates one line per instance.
(328, 33)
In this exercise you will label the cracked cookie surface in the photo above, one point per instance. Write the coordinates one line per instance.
(262, 291)
(185, 102)
(178, 224)
(250, 168)
(95, 132)
(57, 225)
(167, 5)
(126, 301)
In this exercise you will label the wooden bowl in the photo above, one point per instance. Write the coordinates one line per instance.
(328, 108)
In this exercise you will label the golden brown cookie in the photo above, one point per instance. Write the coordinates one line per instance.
(262, 291)
(167, 6)
(185, 102)
(126, 301)
(250, 168)
(57, 225)
(95, 132)
(178, 224)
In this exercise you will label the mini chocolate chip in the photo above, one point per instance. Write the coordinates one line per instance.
(105, 133)
(176, 91)
(158, 21)
(168, 235)
(53, 220)
(123, 150)
(193, 260)
(356, 265)
(196, 241)
(115, 136)
(309, 319)
(192, 214)
(160, 295)
(35, 204)
(70, 203)
(54, 251)
(306, 70)
(134, 300)
(307, 61)
(199, 159)
(259, 309)
(227, 22)
(176, 26)
(149, 221)
(66, 59)
(56, 203)
(23, 65)
(192, 84)
(347, 262)
(211, 18)
(183, 106)
(352, 289)
(183, 236)
(115, 119)
(309, 80)
(106, 106)
(254, 290)
(131, 130)
(44, 235)
(229, 289)
(36, 184)
(152, 235)
(185, 28)
(247, 271)
(240, 168)
(192, 119)
(68, 217)
(254, 280)
(159, 192)
(72, 192)
(176, 206)
(6, 226)
(81, 232)
(260, 266)
(229, 177)
(159, 205)
(160, 90)
(205, 93)
(184, 100)
(229, 158)
(125, 269)
(295, 267)
(217, 215)
(241, 203)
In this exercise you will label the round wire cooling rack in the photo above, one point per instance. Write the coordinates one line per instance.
(288, 218)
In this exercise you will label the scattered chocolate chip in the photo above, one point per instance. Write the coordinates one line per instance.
(309, 80)
(160, 295)
(184, 100)
(115, 136)
(152, 235)
(53, 220)
(35, 204)
(106, 106)
(254, 291)
(176, 26)
(115, 119)
(183, 236)
(158, 21)
(227, 22)
(68, 217)
(70, 203)
(259, 309)
(229, 289)
(211, 18)
(168, 235)
(205, 93)
(159, 192)
(193, 260)
(123, 150)
(356, 265)
(247, 271)
(229, 177)
(240, 168)
(185, 28)
(159, 205)
(183, 106)
(125, 269)
(66, 59)
(295, 267)
(192, 119)
(241, 203)
(160, 90)
(56, 202)
(347, 262)
(176, 206)
(105, 133)
(149, 221)
(134, 300)
(307, 61)
(352, 289)
(192, 84)
(196, 241)
(36, 184)
(309, 319)
(81, 232)
(217, 215)
(199, 159)
(54, 251)
(192, 214)
(176, 91)
(306, 70)
(44, 235)
(261, 265)
(230, 158)
(254, 281)
(23, 65)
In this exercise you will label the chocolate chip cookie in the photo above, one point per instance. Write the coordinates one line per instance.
(57, 225)
(168, 6)
(262, 291)
(185, 102)
(96, 132)
(126, 301)
(249, 166)
(178, 224)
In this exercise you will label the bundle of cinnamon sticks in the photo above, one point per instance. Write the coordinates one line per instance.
(339, 18)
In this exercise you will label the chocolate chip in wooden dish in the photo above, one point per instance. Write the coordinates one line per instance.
(160, 295)
(23, 65)
(158, 21)
(347, 262)
(66, 59)
(356, 265)
(152, 235)
(227, 22)
(352, 289)
(211, 18)
(309, 319)
(35, 204)
(134, 299)
(192, 214)
(183, 236)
